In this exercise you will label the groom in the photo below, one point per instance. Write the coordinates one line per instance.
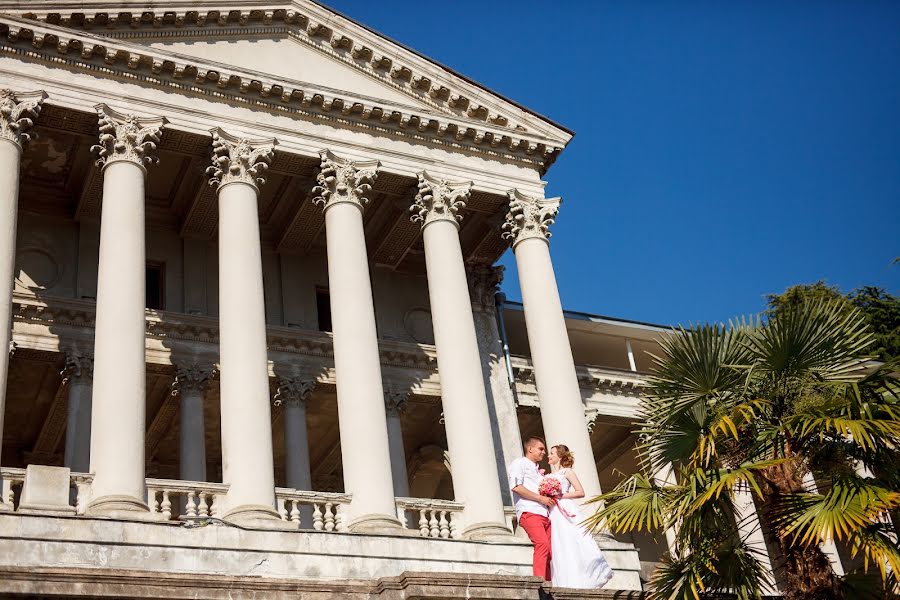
(532, 508)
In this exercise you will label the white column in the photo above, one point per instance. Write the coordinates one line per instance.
(562, 409)
(293, 394)
(247, 462)
(78, 376)
(466, 417)
(395, 404)
(343, 191)
(750, 530)
(17, 114)
(118, 417)
(189, 386)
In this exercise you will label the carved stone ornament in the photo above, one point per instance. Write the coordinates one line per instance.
(79, 367)
(17, 114)
(590, 419)
(529, 217)
(439, 200)
(340, 180)
(484, 283)
(126, 137)
(191, 377)
(236, 159)
(294, 391)
(395, 401)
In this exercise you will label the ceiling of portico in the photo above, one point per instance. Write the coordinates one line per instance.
(59, 179)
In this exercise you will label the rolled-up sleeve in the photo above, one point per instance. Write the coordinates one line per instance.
(516, 474)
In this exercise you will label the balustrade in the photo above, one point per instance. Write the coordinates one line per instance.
(441, 519)
(173, 499)
(328, 508)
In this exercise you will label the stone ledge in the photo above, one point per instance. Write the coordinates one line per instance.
(135, 585)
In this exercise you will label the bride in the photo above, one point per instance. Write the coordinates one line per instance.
(577, 561)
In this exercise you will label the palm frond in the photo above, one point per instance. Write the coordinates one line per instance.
(877, 543)
(636, 504)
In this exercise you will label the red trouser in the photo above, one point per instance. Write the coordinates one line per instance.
(538, 529)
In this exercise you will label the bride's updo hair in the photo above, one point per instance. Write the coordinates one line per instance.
(566, 457)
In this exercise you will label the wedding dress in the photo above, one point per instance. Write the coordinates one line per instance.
(576, 561)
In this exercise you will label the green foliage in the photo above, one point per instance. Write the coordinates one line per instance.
(760, 406)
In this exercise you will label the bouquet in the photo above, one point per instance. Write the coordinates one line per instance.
(552, 488)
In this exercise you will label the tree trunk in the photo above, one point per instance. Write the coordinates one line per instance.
(804, 569)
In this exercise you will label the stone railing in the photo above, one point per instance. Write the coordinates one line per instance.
(173, 499)
(14, 478)
(433, 518)
(319, 511)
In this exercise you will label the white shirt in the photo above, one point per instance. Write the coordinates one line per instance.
(525, 473)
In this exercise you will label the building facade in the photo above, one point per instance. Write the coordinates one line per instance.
(255, 339)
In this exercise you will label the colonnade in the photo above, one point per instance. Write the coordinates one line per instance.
(368, 431)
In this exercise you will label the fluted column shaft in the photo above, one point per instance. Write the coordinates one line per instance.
(342, 190)
(118, 415)
(17, 112)
(562, 409)
(247, 462)
(78, 377)
(466, 417)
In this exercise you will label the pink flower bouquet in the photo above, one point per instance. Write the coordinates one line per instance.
(550, 487)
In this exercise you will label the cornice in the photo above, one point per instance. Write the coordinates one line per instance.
(453, 120)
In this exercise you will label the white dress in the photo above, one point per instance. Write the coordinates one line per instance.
(576, 562)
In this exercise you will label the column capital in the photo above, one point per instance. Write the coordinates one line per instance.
(484, 283)
(78, 367)
(18, 110)
(590, 418)
(126, 137)
(529, 217)
(340, 180)
(439, 200)
(294, 391)
(191, 377)
(238, 159)
(395, 401)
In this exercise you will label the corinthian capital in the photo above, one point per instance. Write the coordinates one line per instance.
(529, 217)
(484, 283)
(294, 391)
(126, 137)
(191, 377)
(439, 200)
(239, 159)
(17, 114)
(79, 367)
(395, 401)
(340, 180)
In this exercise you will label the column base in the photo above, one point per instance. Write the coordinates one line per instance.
(120, 507)
(257, 516)
(375, 523)
(487, 532)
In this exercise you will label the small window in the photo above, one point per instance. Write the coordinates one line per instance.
(323, 308)
(156, 296)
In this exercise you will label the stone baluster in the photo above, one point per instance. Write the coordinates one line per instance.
(247, 462)
(18, 110)
(189, 385)
(562, 410)
(78, 376)
(343, 190)
(395, 404)
(118, 416)
(467, 421)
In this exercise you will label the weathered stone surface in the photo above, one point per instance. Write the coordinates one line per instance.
(46, 490)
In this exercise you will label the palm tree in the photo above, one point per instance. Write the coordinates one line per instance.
(790, 409)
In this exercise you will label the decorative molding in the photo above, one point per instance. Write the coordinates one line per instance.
(18, 111)
(439, 200)
(12, 348)
(78, 367)
(294, 391)
(126, 137)
(484, 283)
(459, 124)
(529, 217)
(191, 377)
(590, 419)
(340, 180)
(237, 159)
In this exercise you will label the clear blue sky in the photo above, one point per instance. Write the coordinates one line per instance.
(723, 150)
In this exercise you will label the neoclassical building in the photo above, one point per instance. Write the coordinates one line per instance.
(256, 346)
